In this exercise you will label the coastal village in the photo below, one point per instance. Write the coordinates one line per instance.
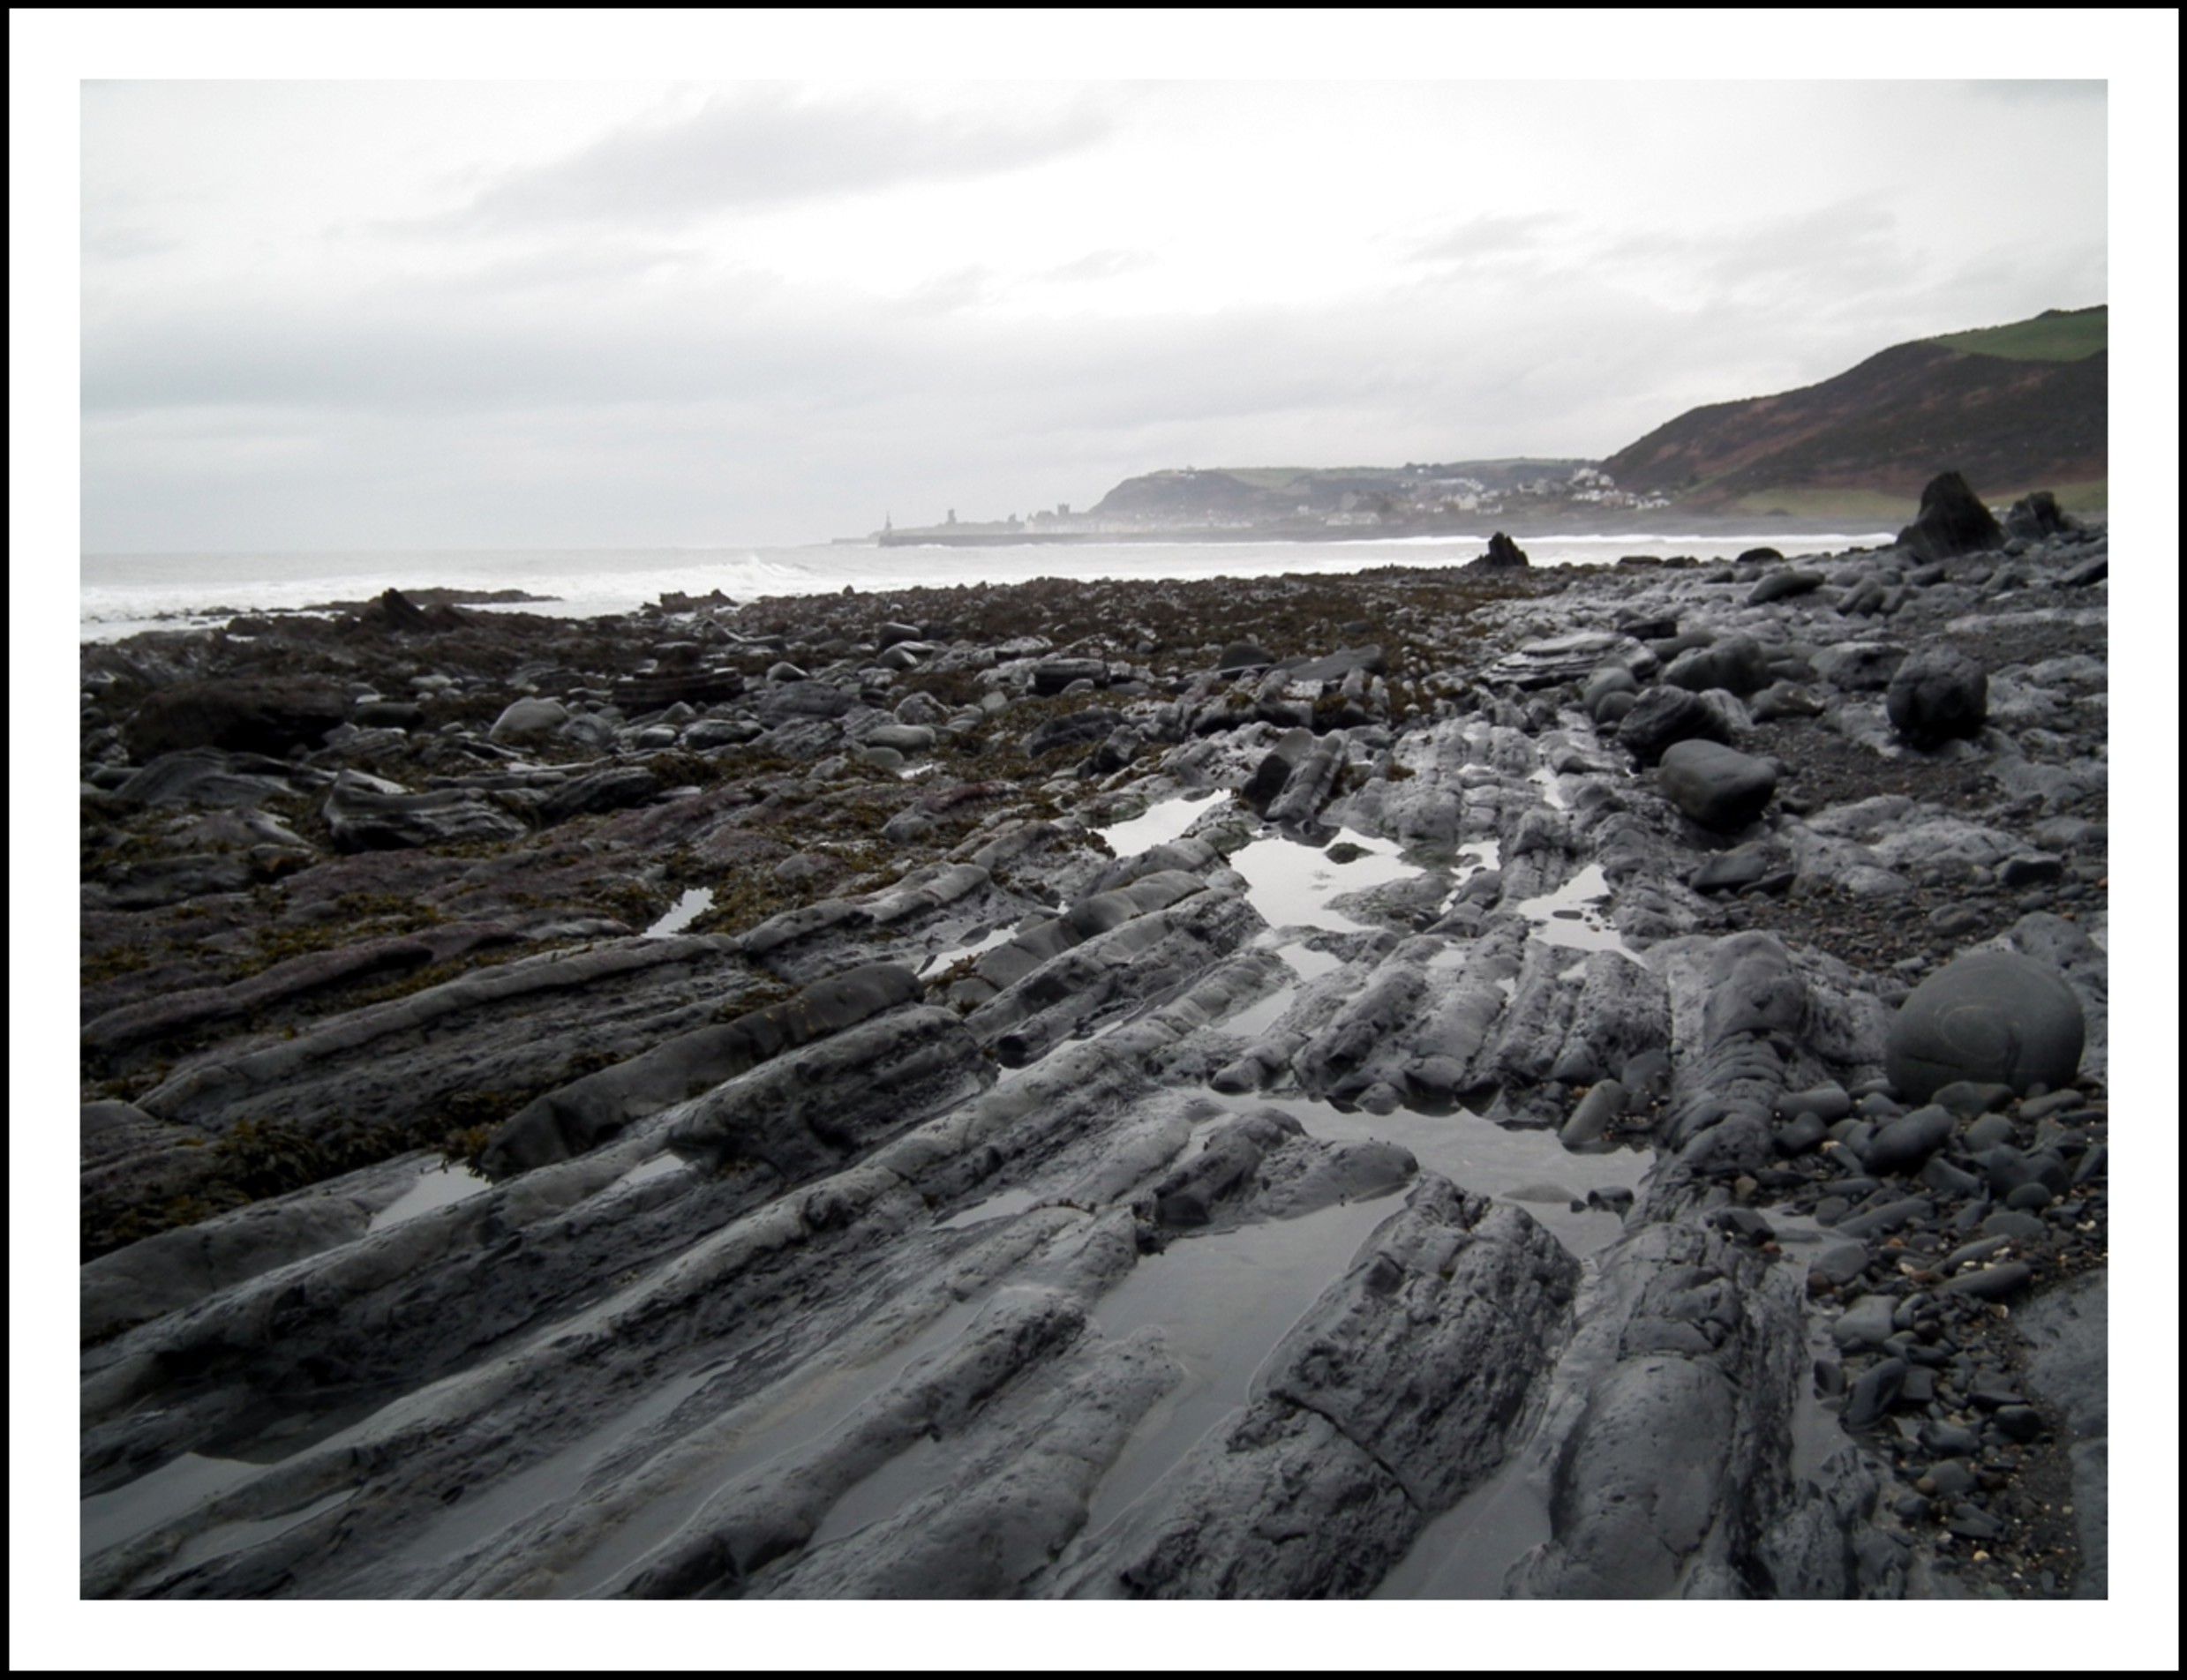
(1416, 499)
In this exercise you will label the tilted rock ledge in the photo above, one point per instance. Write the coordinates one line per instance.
(1299, 1087)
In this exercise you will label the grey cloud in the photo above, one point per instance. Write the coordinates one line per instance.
(1099, 264)
(1490, 236)
(2032, 90)
(772, 146)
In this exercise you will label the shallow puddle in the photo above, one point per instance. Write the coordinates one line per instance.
(696, 901)
(1223, 1302)
(787, 1419)
(1157, 826)
(1530, 1167)
(1575, 915)
(155, 1499)
(439, 1185)
(223, 1538)
(1466, 1551)
(1305, 962)
(1291, 884)
(999, 1206)
(943, 961)
(656, 1166)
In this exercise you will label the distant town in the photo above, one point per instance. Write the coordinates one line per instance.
(1301, 504)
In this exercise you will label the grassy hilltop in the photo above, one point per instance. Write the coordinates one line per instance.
(2015, 407)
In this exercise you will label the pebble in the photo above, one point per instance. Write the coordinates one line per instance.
(1875, 1391)
(1992, 1283)
(1865, 1323)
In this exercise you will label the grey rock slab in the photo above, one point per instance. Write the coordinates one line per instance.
(361, 820)
(579, 1115)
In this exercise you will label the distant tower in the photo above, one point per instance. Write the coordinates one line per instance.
(888, 522)
(951, 519)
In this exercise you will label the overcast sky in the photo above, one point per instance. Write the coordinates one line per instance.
(397, 313)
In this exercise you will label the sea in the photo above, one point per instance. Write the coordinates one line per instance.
(120, 595)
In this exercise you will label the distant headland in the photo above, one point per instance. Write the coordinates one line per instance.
(2019, 408)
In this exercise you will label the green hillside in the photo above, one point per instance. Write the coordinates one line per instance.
(2054, 335)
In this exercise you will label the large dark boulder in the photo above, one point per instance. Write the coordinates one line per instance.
(1665, 716)
(1952, 521)
(268, 715)
(1717, 786)
(1994, 1018)
(1937, 695)
(2038, 516)
(1502, 551)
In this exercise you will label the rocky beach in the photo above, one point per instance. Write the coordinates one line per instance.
(1488, 1082)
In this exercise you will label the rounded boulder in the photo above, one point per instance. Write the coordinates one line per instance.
(1717, 786)
(1992, 1016)
(1937, 695)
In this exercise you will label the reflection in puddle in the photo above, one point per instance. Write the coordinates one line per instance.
(655, 1166)
(1291, 885)
(1529, 1166)
(223, 1538)
(1466, 1551)
(999, 1206)
(156, 1499)
(941, 961)
(439, 1185)
(1223, 1302)
(1157, 826)
(1573, 915)
(783, 1420)
(696, 901)
(1305, 962)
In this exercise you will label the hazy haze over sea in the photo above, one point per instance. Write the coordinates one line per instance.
(122, 594)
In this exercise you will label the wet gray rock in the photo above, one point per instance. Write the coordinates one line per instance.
(1660, 1460)
(1538, 664)
(1784, 700)
(1994, 1017)
(1053, 676)
(1859, 667)
(1903, 1144)
(208, 776)
(1077, 730)
(578, 1116)
(1783, 586)
(1735, 664)
(1663, 716)
(363, 819)
(2037, 516)
(1715, 785)
(616, 788)
(529, 719)
(1338, 1460)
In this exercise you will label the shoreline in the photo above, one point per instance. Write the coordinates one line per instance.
(927, 778)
